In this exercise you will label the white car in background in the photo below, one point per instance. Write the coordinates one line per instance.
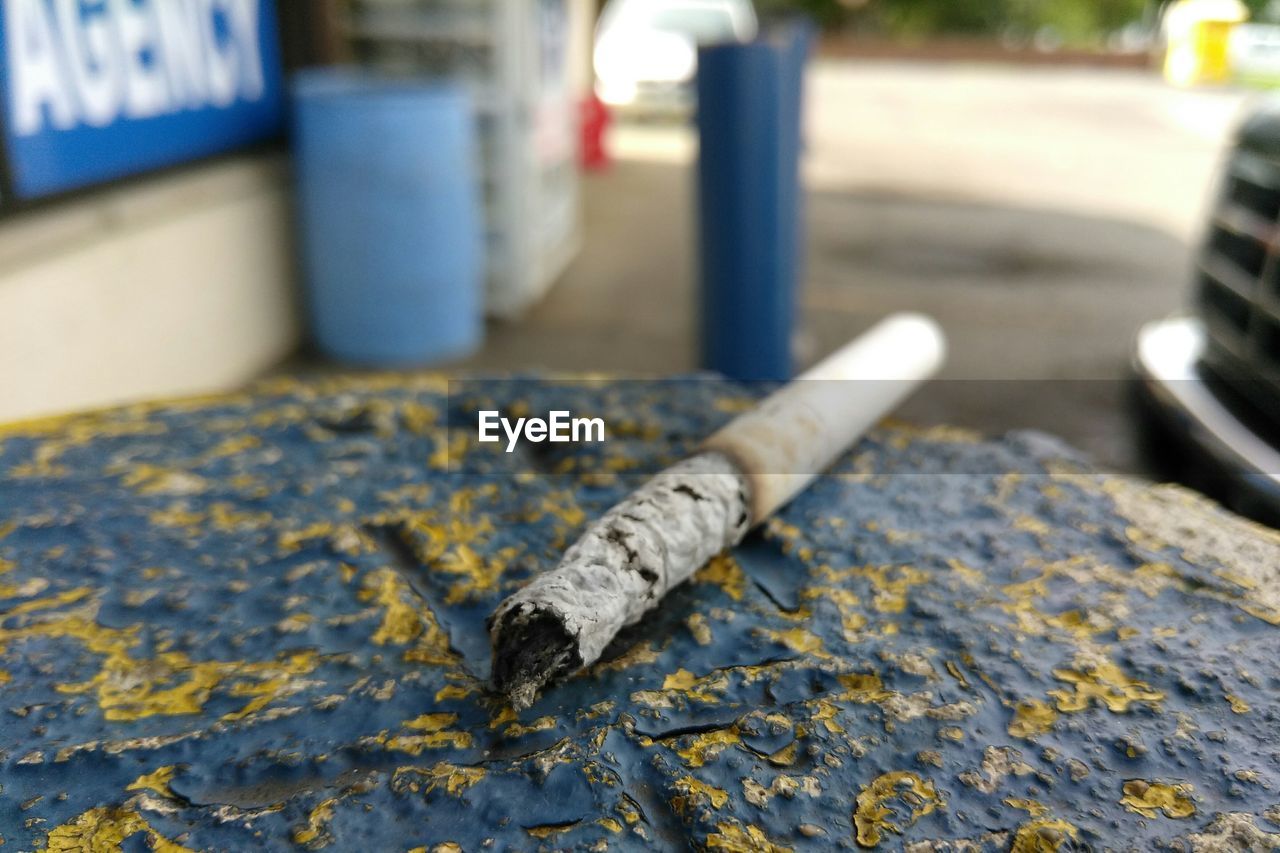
(646, 52)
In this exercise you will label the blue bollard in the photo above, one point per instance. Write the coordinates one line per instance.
(749, 98)
(389, 215)
(796, 40)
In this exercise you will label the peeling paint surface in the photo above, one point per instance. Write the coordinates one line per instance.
(258, 621)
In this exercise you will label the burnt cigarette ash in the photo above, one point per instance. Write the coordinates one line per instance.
(619, 570)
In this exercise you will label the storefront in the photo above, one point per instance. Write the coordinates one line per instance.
(146, 239)
(144, 236)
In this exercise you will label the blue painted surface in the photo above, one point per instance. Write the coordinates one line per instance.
(257, 622)
(749, 104)
(117, 105)
(391, 224)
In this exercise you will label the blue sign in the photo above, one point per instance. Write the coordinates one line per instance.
(100, 89)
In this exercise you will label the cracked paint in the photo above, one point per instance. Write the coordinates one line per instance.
(258, 620)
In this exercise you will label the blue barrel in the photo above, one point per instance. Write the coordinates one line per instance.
(750, 202)
(390, 219)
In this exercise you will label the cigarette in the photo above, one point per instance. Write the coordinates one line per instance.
(661, 534)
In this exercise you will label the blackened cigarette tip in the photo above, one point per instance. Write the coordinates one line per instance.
(530, 648)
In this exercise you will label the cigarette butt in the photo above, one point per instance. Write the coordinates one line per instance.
(661, 534)
(796, 433)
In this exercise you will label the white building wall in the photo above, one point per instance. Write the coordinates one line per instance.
(174, 285)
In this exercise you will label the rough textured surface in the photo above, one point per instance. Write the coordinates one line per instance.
(259, 621)
(620, 569)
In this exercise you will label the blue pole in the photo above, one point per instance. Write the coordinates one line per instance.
(747, 299)
(796, 42)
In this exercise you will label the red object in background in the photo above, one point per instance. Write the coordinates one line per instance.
(595, 122)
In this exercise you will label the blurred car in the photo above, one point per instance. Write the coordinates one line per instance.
(646, 51)
(1209, 382)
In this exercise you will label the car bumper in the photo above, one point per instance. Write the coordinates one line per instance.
(1167, 362)
(648, 96)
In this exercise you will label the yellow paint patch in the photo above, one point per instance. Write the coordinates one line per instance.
(104, 830)
(443, 539)
(452, 778)
(698, 627)
(1031, 807)
(171, 683)
(541, 724)
(724, 572)
(736, 838)
(69, 596)
(317, 820)
(681, 679)
(455, 691)
(733, 405)
(892, 584)
(825, 713)
(640, 654)
(798, 640)
(344, 538)
(157, 781)
(852, 620)
(695, 688)
(862, 687)
(1149, 798)
(431, 722)
(871, 815)
(65, 432)
(1042, 836)
(153, 480)
(967, 573)
(1238, 705)
(1032, 718)
(695, 791)
(891, 591)
(706, 746)
(1102, 681)
(479, 576)
(436, 734)
(957, 674)
(432, 646)
(450, 444)
(234, 445)
(1031, 524)
(401, 623)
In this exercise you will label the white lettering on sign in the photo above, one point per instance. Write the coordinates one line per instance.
(92, 61)
(98, 80)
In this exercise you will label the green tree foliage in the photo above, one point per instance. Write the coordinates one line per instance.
(1074, 21)
(1262, 9)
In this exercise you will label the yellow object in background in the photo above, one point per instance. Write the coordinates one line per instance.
(1197, 36)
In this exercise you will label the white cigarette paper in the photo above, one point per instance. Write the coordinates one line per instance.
(665, 531)
(796, 433)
